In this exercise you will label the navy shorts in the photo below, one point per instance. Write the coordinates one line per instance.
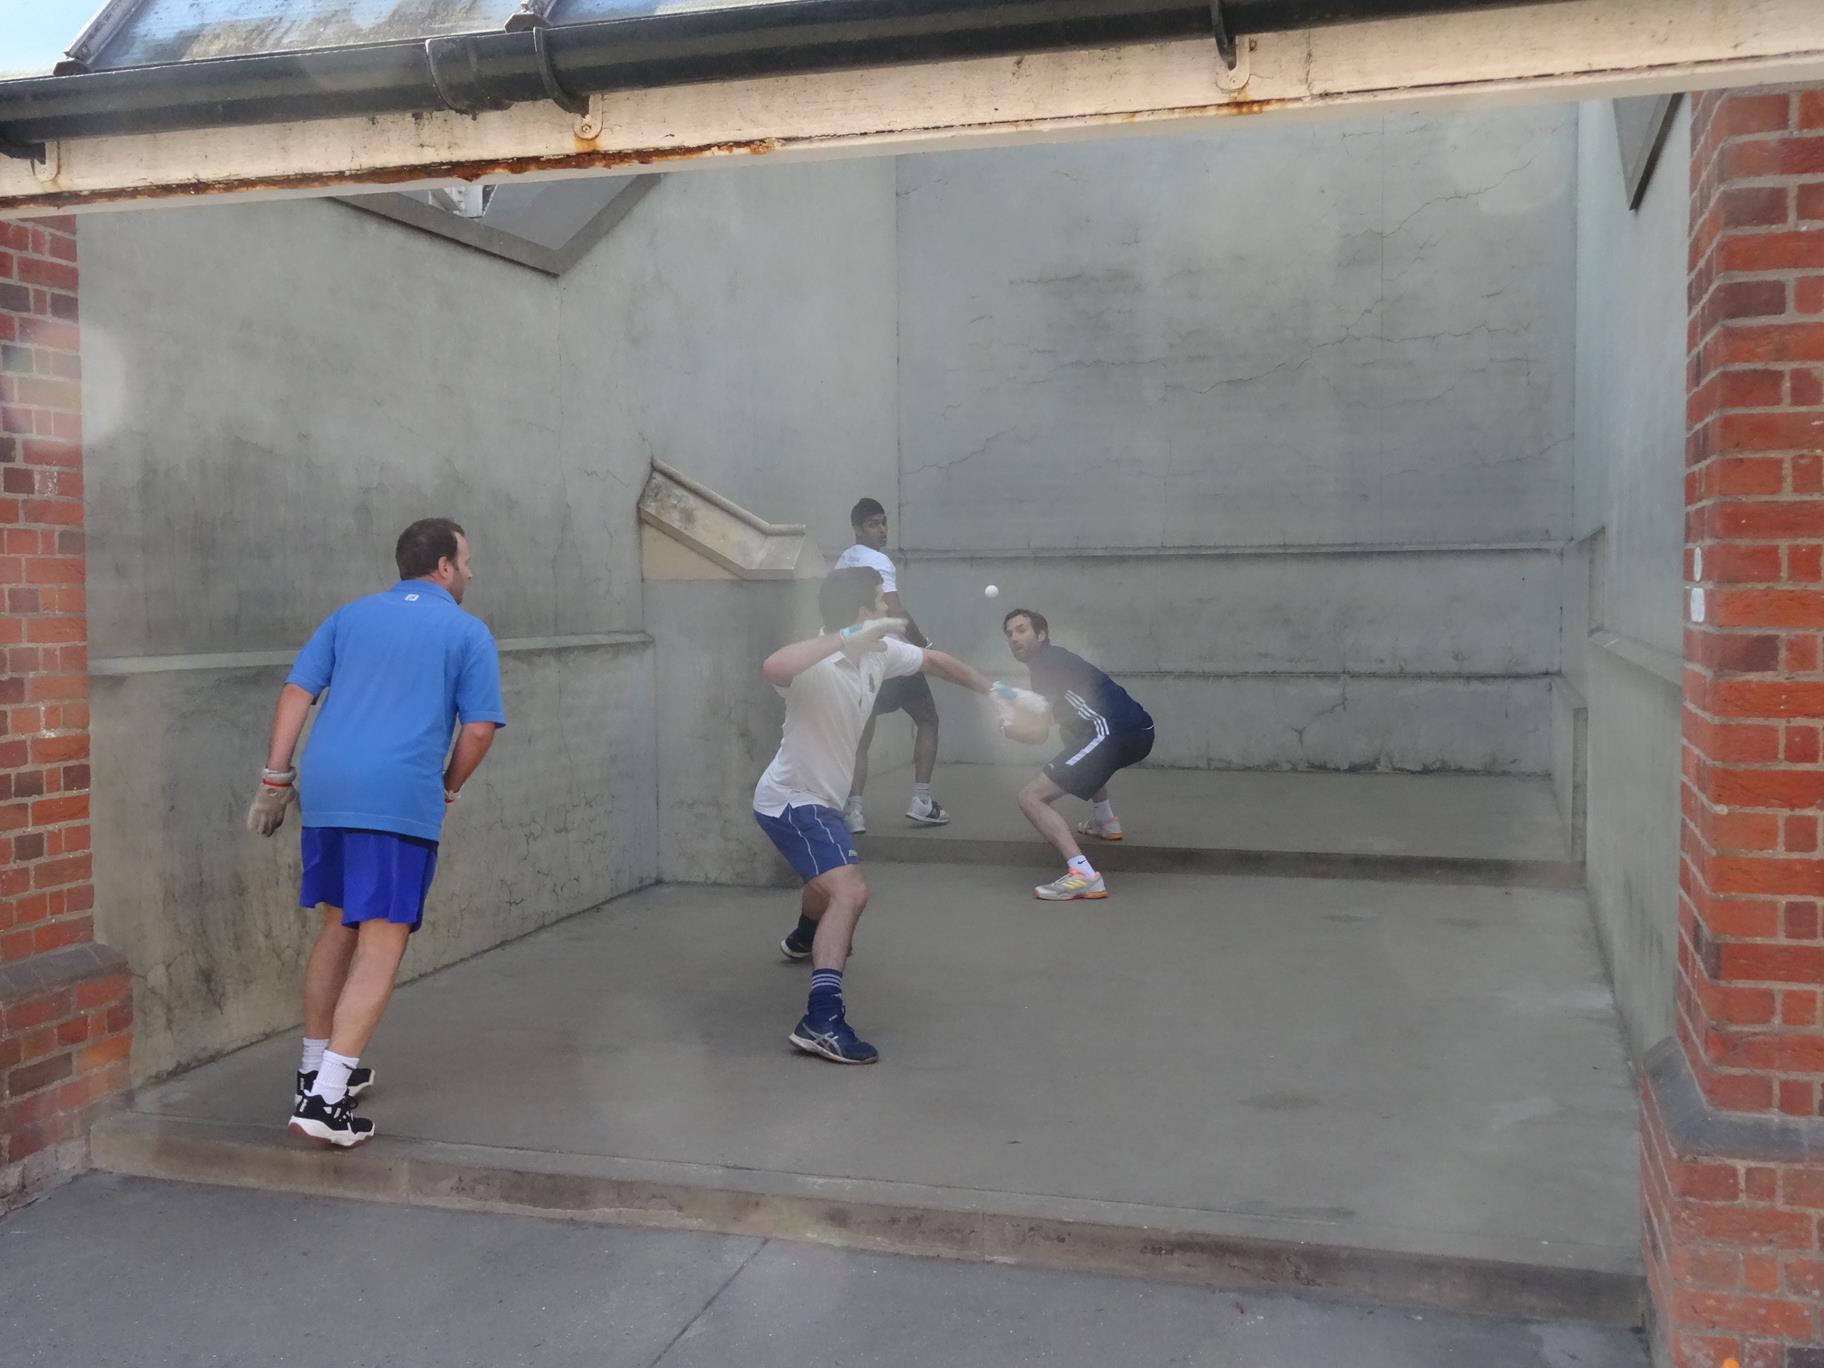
(1084, 770)
(812, 838)
(910, 694)
(370, 875)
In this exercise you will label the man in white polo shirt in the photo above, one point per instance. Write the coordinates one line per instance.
(910, 695)
(830, 684)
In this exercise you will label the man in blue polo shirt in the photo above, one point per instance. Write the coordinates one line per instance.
(402, 669)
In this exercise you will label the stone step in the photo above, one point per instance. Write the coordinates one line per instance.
(1498, 1277)
(1135, 857)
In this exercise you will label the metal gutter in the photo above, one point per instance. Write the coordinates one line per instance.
(473, 72)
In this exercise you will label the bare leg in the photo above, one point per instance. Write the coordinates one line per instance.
(1036, 800)
(379, 946)
(860, 781)
(812, 904)
(924, 741)
(325, 973)
(845, 895)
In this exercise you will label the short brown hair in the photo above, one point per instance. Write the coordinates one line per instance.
(1037, 619)
(844, 593)
(423, 544)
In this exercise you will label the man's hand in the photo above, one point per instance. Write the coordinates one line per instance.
(266, 814)
(1023, 714)
(866, 637)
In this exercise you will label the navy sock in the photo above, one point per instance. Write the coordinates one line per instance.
(826, 994)
(806, 932)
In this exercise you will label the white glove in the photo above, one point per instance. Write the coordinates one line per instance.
(866, 637)
(1023, 714)
(266, 813)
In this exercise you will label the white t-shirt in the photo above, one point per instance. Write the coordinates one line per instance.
(825, 709)
(874, 560)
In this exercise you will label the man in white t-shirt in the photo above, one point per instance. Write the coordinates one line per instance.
(830, 684)
(910, 695)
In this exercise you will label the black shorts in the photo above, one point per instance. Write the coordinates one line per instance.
(908, 693)
(1086, 767)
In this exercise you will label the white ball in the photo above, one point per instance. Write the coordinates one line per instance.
(992, 591)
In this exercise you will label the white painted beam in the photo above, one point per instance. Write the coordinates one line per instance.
(1577, 49)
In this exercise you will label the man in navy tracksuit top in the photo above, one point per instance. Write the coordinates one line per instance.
(1104, 730)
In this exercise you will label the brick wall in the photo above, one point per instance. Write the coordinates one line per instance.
(65, 1006)
(1732, 1144)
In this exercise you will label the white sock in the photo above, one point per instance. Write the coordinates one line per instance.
(1079, 865)
(1105, 812)
(313, 1055)
(854, 803)
(332, 1076)
(921, 793)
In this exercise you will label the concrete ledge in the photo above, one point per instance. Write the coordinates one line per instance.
(1698, 1130)
(55, 969)
(1515, 1278)
(112, 667)
(1131, 857)
(1664, 666)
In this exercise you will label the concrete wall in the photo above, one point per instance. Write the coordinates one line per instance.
(274, 390)
(1274, 422)
(1300, 474)
(1622, 626)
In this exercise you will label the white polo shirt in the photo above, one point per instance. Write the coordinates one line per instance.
(826, 708)
(874, 560)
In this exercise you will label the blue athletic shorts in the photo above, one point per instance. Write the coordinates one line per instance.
(370, 875)
(812, 838)
(1084, 768)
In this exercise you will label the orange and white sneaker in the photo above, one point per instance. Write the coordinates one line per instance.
(1072, 885)
(1107, 831)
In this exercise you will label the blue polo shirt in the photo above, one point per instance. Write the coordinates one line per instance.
(402, 668)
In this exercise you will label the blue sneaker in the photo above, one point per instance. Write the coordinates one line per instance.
(833, 1038)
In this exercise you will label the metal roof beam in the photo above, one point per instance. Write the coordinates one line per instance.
(1576, 49)
(492, 70)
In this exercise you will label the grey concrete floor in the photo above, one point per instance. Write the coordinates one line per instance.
(119, 1271)
(1459, 816)
(1430, 1067)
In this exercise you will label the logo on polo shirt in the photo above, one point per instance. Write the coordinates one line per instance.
(411, 598)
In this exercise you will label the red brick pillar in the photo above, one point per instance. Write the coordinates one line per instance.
(66, 1015)
(1732, 1141)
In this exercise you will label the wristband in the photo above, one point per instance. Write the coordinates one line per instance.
(278, 778)
(450, 796)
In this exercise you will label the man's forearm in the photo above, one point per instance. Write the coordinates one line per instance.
(948, 667)
(288, 720)
(896, 607)
(472, 744)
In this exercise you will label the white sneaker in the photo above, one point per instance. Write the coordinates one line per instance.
(927, 812)
(853, 819)
(1071, 886)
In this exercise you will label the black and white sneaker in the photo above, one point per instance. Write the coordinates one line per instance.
(330, 1123)
(359, 1081)
(793, 948)
(927, 812)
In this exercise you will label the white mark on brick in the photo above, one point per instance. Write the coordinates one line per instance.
(1697, 564)
(1697, 605)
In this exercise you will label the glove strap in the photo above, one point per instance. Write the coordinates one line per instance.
(278, 778)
